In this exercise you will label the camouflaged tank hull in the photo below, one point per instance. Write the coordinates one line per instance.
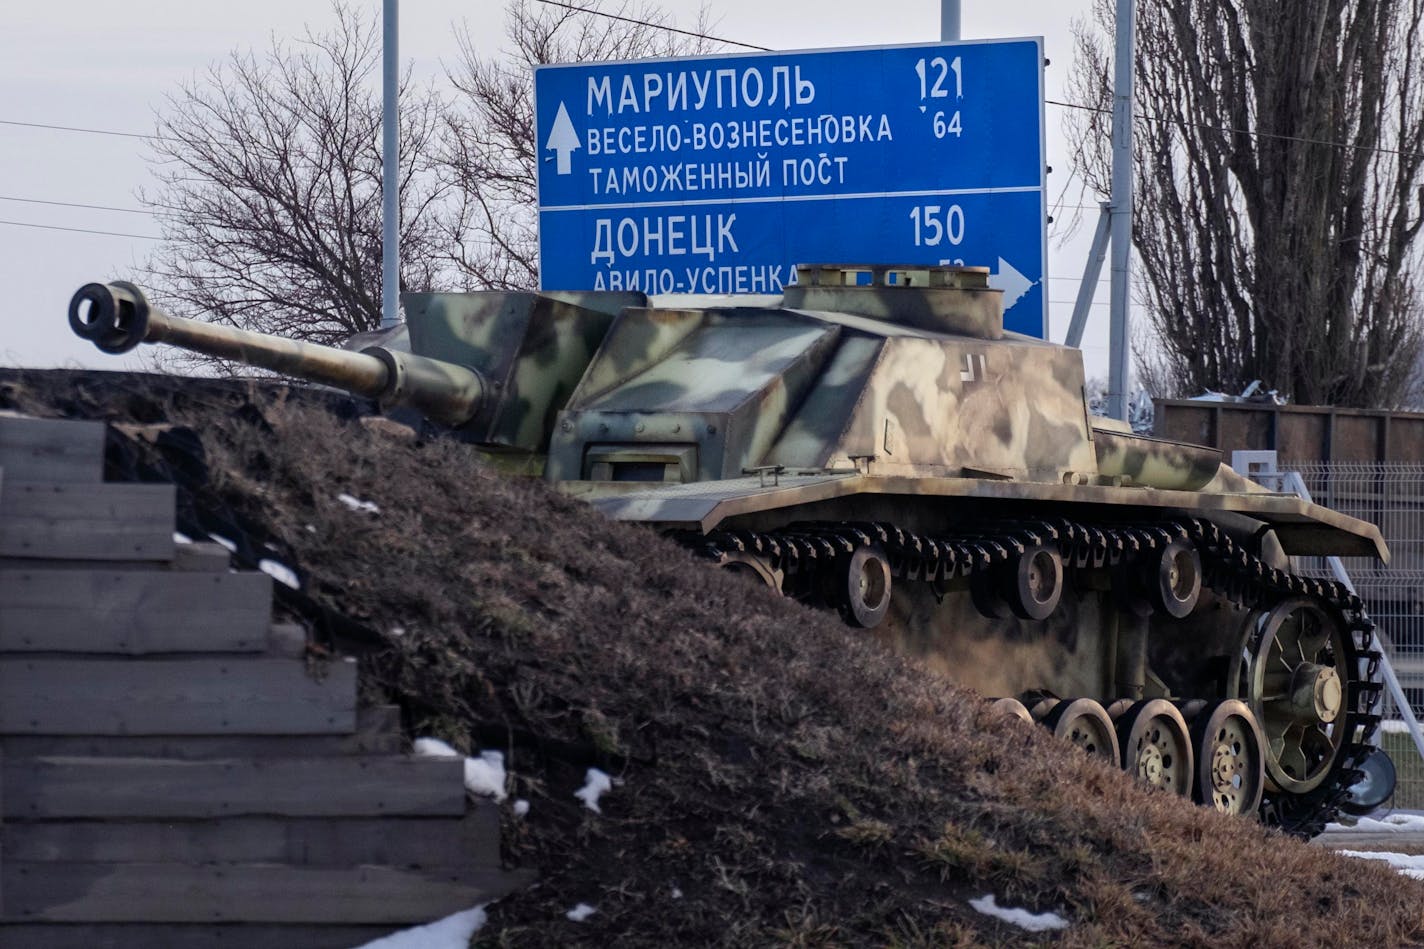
(874, 442)
(891, 453)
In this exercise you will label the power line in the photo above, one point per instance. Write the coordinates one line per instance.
(82, 230)
(75, 128)
(656, 26)
(71, 204)
(1234, 131)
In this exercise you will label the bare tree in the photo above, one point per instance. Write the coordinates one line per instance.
(269, 192)
(1278, 161)
(493, 155)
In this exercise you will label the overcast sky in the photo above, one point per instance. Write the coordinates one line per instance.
(96, 64)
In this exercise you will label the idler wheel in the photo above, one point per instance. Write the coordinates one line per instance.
(1294, 673)
(1231, 759)
(1176, 586)
(865, 587)
(1084, 723)
(1374, 785)
(1156, 746)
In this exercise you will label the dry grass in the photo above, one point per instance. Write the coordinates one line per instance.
(795, 783)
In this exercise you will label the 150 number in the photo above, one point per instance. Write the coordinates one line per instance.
(934, 224)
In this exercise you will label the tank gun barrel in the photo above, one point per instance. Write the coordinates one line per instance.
(117, 318)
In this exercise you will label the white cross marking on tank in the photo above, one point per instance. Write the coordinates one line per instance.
(973, 362)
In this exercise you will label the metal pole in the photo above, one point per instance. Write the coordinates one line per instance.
(390, 165)
(1118, 336)
(1091, 271)
(949, 21)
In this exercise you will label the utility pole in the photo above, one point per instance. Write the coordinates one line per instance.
(390, 169)
(949, 21)
(1119, 336)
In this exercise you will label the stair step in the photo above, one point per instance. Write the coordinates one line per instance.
(377, 733)
(250, 892)
(188, 936)
(86, 521)
(133, 611)
(38, 449)
(428, 842)
(170, 789)
(175, 696)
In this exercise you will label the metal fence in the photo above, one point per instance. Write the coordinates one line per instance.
(1391, 496)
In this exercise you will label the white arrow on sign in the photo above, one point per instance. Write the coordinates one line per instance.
(563, 139)
(1009, 280)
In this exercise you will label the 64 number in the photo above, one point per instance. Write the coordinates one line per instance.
(943, 128)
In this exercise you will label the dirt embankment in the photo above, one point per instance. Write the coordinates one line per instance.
(778, 778)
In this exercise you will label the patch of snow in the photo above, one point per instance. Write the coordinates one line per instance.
(1392, 824)
(580, 912)
(1410, 864)
(434, 748)
(521, 808)
(1022, 918)
(452, 932)
(311, 528)
(595, 785)
(397, 631)
(676, 893)
(280, 572)
(356, 504)
(219, 539)
(485, 775)
(181, 538)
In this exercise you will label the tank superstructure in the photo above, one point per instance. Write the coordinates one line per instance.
(873, 441)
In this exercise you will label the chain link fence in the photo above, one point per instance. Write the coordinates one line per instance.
(1391, 496)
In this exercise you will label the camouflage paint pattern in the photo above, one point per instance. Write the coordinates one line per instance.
(531, 348)
(1064, 653)
(1136, 459)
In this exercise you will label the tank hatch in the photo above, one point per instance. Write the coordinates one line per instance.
(955, 300)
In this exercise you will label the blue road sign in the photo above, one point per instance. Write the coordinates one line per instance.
(720, 174)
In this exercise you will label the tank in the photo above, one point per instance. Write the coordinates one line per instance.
(873, 442)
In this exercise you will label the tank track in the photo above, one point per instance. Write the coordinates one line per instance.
(1228, 569)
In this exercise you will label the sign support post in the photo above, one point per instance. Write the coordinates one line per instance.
(390, 168)
(949, 21)
(1119, 336)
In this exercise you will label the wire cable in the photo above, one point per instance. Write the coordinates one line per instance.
(1233, 131)
(82, 230)
(72, 204)
(76, 128)
(657, 26)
